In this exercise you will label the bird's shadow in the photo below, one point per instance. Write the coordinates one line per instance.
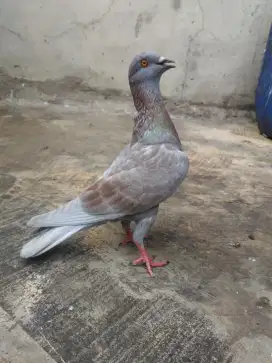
(66, 251)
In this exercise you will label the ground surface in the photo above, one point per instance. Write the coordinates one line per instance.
(84, 302)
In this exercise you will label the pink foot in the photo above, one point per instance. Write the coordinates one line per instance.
(128, 238)
(148, 261)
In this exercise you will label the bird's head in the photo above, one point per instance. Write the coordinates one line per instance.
(148, 66)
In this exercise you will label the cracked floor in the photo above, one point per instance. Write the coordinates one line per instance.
(84, 302)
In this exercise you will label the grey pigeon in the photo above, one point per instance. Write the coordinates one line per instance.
(147, 172)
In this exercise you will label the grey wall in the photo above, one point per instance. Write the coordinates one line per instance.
(218, 44)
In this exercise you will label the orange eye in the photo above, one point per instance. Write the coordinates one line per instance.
(144, 63)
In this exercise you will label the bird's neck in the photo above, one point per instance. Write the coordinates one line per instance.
(153, 123)
(147, 96)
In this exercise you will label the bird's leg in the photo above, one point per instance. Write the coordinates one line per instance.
(126, 227)
(129, 233)
(138, 236)
(147, 260)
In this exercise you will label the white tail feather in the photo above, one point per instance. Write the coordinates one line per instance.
(48, 239)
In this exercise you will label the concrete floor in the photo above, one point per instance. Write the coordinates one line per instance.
(83, 302)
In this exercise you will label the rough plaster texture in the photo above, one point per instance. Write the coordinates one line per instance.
(16, 346)
(218, 45)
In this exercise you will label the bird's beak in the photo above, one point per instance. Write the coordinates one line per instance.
(166, 63)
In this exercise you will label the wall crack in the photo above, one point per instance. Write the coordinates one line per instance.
(84, 26)
(18, 35)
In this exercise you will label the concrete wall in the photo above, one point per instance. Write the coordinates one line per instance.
(218, 44)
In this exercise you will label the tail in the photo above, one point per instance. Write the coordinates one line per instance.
(48, 238)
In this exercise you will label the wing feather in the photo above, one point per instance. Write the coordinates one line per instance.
(139, 179)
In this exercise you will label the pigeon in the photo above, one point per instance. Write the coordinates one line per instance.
(148, 171)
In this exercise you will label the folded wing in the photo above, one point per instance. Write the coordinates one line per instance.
(133, 184)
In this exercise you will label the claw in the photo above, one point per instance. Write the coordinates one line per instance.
(148, 261)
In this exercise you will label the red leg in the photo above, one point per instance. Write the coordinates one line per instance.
(148, 261)
(128, 238)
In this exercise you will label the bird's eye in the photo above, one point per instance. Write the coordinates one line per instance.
(144, 63)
